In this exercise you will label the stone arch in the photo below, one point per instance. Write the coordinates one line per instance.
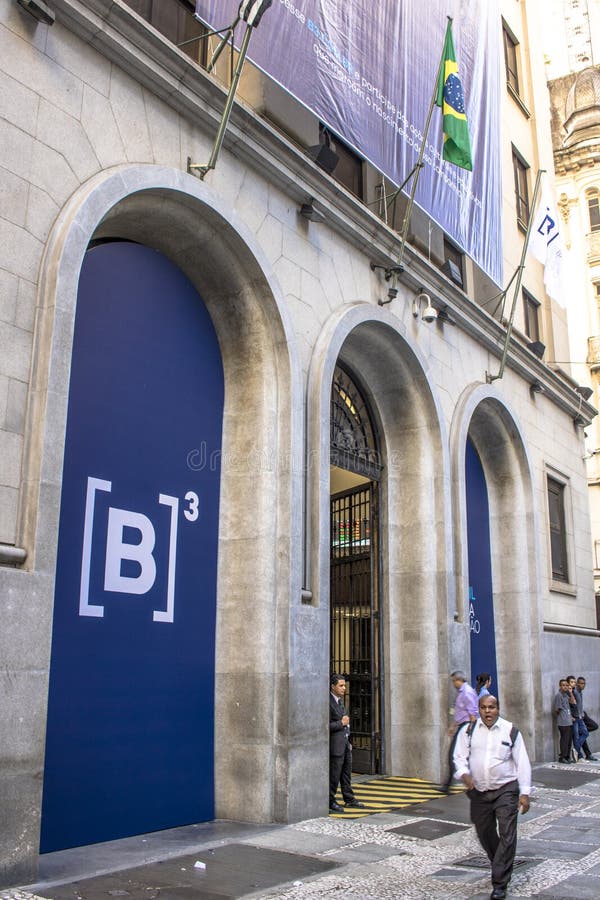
(488, 422)
(259, 559)
(415, 583)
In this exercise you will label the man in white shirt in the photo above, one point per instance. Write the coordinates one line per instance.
(491, 760)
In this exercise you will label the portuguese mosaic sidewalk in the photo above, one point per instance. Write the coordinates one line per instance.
(417, 849)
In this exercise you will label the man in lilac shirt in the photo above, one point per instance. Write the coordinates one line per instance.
(466, 709)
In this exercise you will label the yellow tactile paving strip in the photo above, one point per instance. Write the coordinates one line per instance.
(384, 794)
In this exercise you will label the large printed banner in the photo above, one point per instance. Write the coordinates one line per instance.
(367, 69)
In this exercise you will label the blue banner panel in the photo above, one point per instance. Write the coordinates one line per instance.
(368, 70)
(481, 598)
(130, 736)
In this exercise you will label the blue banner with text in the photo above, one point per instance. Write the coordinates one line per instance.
(368, 70)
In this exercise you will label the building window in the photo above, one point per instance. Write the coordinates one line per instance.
(531, 308)
(520, 169)
(597, 555)
(593, 199)
(558, 534)
(510, 59)
(175, 20)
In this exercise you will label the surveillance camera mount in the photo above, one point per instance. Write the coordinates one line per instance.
(388, 271)
(430, 313)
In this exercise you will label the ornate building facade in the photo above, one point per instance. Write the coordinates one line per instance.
(575, 100)
(236, 450)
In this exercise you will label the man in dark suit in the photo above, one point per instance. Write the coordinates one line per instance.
(340, 747)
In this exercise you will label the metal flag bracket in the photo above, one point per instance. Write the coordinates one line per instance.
(250, 11)
(518, 275)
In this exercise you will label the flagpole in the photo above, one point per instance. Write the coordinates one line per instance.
(490, 378)
(419, 164)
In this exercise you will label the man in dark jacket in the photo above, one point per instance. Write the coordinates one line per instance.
(589, 723)
(340, 747)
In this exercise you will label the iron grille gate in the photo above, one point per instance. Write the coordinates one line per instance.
(355, 618)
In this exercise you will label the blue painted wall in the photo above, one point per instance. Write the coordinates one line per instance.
(481, 605)
(130, 739)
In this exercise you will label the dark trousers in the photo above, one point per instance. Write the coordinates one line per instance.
(340, 772)
(566, 737)
(580, 735)
(494, 815)
(446, 784)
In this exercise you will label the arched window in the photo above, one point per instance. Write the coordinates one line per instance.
(593, 201)
(353, 444)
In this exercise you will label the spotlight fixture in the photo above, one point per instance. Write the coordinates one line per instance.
(453, 272)
(536, 387)
(39, 10)
(429, 314)
(584, 391)
(578, 420)
(309, 212)
(538, 348)
(323, 154)
(444, 316)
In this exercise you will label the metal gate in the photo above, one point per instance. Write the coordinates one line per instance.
(355, 632)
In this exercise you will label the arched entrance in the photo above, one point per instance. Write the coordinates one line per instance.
(355, 471)
(256, 775)
(130, 731)
(494, 485)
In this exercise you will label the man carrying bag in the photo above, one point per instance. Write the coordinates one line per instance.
(589, 723)
(491, 760)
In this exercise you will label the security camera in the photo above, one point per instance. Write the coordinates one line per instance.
(429, 314)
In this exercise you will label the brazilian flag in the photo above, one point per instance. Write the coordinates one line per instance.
(457, 145)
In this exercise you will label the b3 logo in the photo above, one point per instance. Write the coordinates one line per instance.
(140, 552)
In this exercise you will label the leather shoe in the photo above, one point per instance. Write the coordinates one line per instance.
(499, 893)
(592, 758)
(356, 804)
(335, 807)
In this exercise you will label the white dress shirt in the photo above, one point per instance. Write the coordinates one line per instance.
(490, 759)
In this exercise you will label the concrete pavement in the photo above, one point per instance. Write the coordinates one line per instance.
(421, 852)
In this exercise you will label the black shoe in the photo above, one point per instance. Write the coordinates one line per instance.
(443, 789)
(499, 893)
(591, 758)
(561, 760)
(355, 804)
(335, 807)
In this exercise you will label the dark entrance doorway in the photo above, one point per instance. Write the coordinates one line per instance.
(354, 556)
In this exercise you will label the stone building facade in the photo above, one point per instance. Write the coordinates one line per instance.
(575, 103)
(312, 428)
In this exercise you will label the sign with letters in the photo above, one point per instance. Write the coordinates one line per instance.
(130, 736)
(481, 599)
(368, 68)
